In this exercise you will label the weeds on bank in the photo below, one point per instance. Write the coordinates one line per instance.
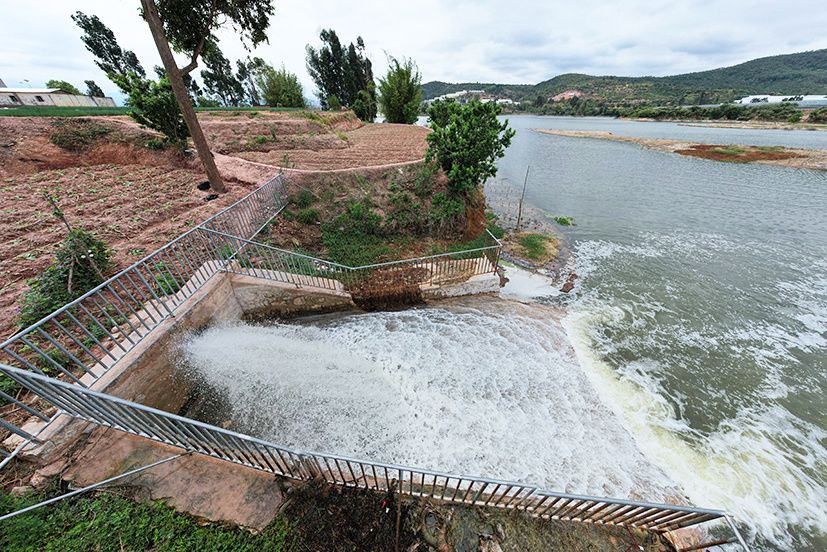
(110, 522)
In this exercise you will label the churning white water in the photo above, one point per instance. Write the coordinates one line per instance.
(478, 386)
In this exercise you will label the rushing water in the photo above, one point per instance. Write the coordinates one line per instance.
(701, 315)
(689, 361)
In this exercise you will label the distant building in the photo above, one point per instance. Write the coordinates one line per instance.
(16, 97)
(770, 99)
(465, 96)
(567, 95)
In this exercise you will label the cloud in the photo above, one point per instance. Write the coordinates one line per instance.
(515, 41)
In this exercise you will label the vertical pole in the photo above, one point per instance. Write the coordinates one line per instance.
(522, 197)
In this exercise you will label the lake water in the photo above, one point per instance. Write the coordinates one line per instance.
(701, 313)
(689, 361)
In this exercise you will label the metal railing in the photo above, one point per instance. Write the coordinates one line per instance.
(272, 263)
(83, 339)
(157, 425)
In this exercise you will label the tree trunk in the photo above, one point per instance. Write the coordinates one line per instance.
(176, 79)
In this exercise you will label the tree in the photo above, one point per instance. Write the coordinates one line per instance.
(64, 87)
(345, 74)
(100, 40)
(247, 72)
(466, 142)
(280, 88)
(188, 27)
(92, 89)
(219, 79)
(400, 92)
(154, 105)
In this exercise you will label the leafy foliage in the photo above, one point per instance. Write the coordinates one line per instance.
(219, 79)
(343, 76)
(818, 116)
(279, 88)
(466, 142)
(400, 92)
(731, 112)
(109, 56)
(92, 89)
(247, 72)
(80, 262)
(190, 24)
(64, 87)
(153, 104)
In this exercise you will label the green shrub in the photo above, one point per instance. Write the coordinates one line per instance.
(307, 216)
(564, 221)
(153, 105)
(81, 255)
(155, 144)
(354, 237)
(165, 281)
(405, 213)
(445, 209)
(818, 116)
(302, 199)
(76, 134)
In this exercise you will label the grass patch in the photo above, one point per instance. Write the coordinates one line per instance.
(307, 216)
(729, 150)
(537, 247)
(564, 221)
(342, 136)
(110, 522)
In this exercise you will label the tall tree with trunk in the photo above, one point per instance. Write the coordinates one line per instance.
(188, 26)
(100, 40)
(400, 92)
(342, 75)
(92, 89)
(219, 79)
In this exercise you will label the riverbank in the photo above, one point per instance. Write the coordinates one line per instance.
(717, 123)
(774, 155)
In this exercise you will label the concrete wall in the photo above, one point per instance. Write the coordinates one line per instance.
(52, 100)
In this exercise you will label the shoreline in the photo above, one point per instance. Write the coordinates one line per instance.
(785, 157)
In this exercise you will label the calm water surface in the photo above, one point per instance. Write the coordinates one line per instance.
(701, 313)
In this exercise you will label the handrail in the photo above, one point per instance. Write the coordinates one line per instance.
(160, 426)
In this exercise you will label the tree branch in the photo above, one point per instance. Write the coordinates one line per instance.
(187, 69)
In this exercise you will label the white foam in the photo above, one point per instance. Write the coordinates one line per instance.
(524, 285)
(494, 392)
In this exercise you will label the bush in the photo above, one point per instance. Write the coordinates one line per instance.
(405, 213)
(80, 263)
(165, 281)
(466, 142)
(818, 116)
(280, 88)
(307, 216)
(354, 237)
(400, 92)
(155, 144)
(302, 199)
(153, 105)
(564, 221)
(76, 134)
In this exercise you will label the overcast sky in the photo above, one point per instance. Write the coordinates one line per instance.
(507, 41)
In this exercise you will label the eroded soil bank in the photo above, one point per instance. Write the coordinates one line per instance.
(781, 156)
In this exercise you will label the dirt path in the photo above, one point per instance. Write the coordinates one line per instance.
(780, 156)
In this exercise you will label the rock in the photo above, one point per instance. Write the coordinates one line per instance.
(23, 490)
(204, 186)
(211, 197)
(567, 287)
(488, 544)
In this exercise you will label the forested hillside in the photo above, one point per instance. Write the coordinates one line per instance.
(802, 73)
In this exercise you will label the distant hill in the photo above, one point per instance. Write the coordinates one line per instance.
(802, 73)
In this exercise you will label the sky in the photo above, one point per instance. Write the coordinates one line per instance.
(505, 41)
